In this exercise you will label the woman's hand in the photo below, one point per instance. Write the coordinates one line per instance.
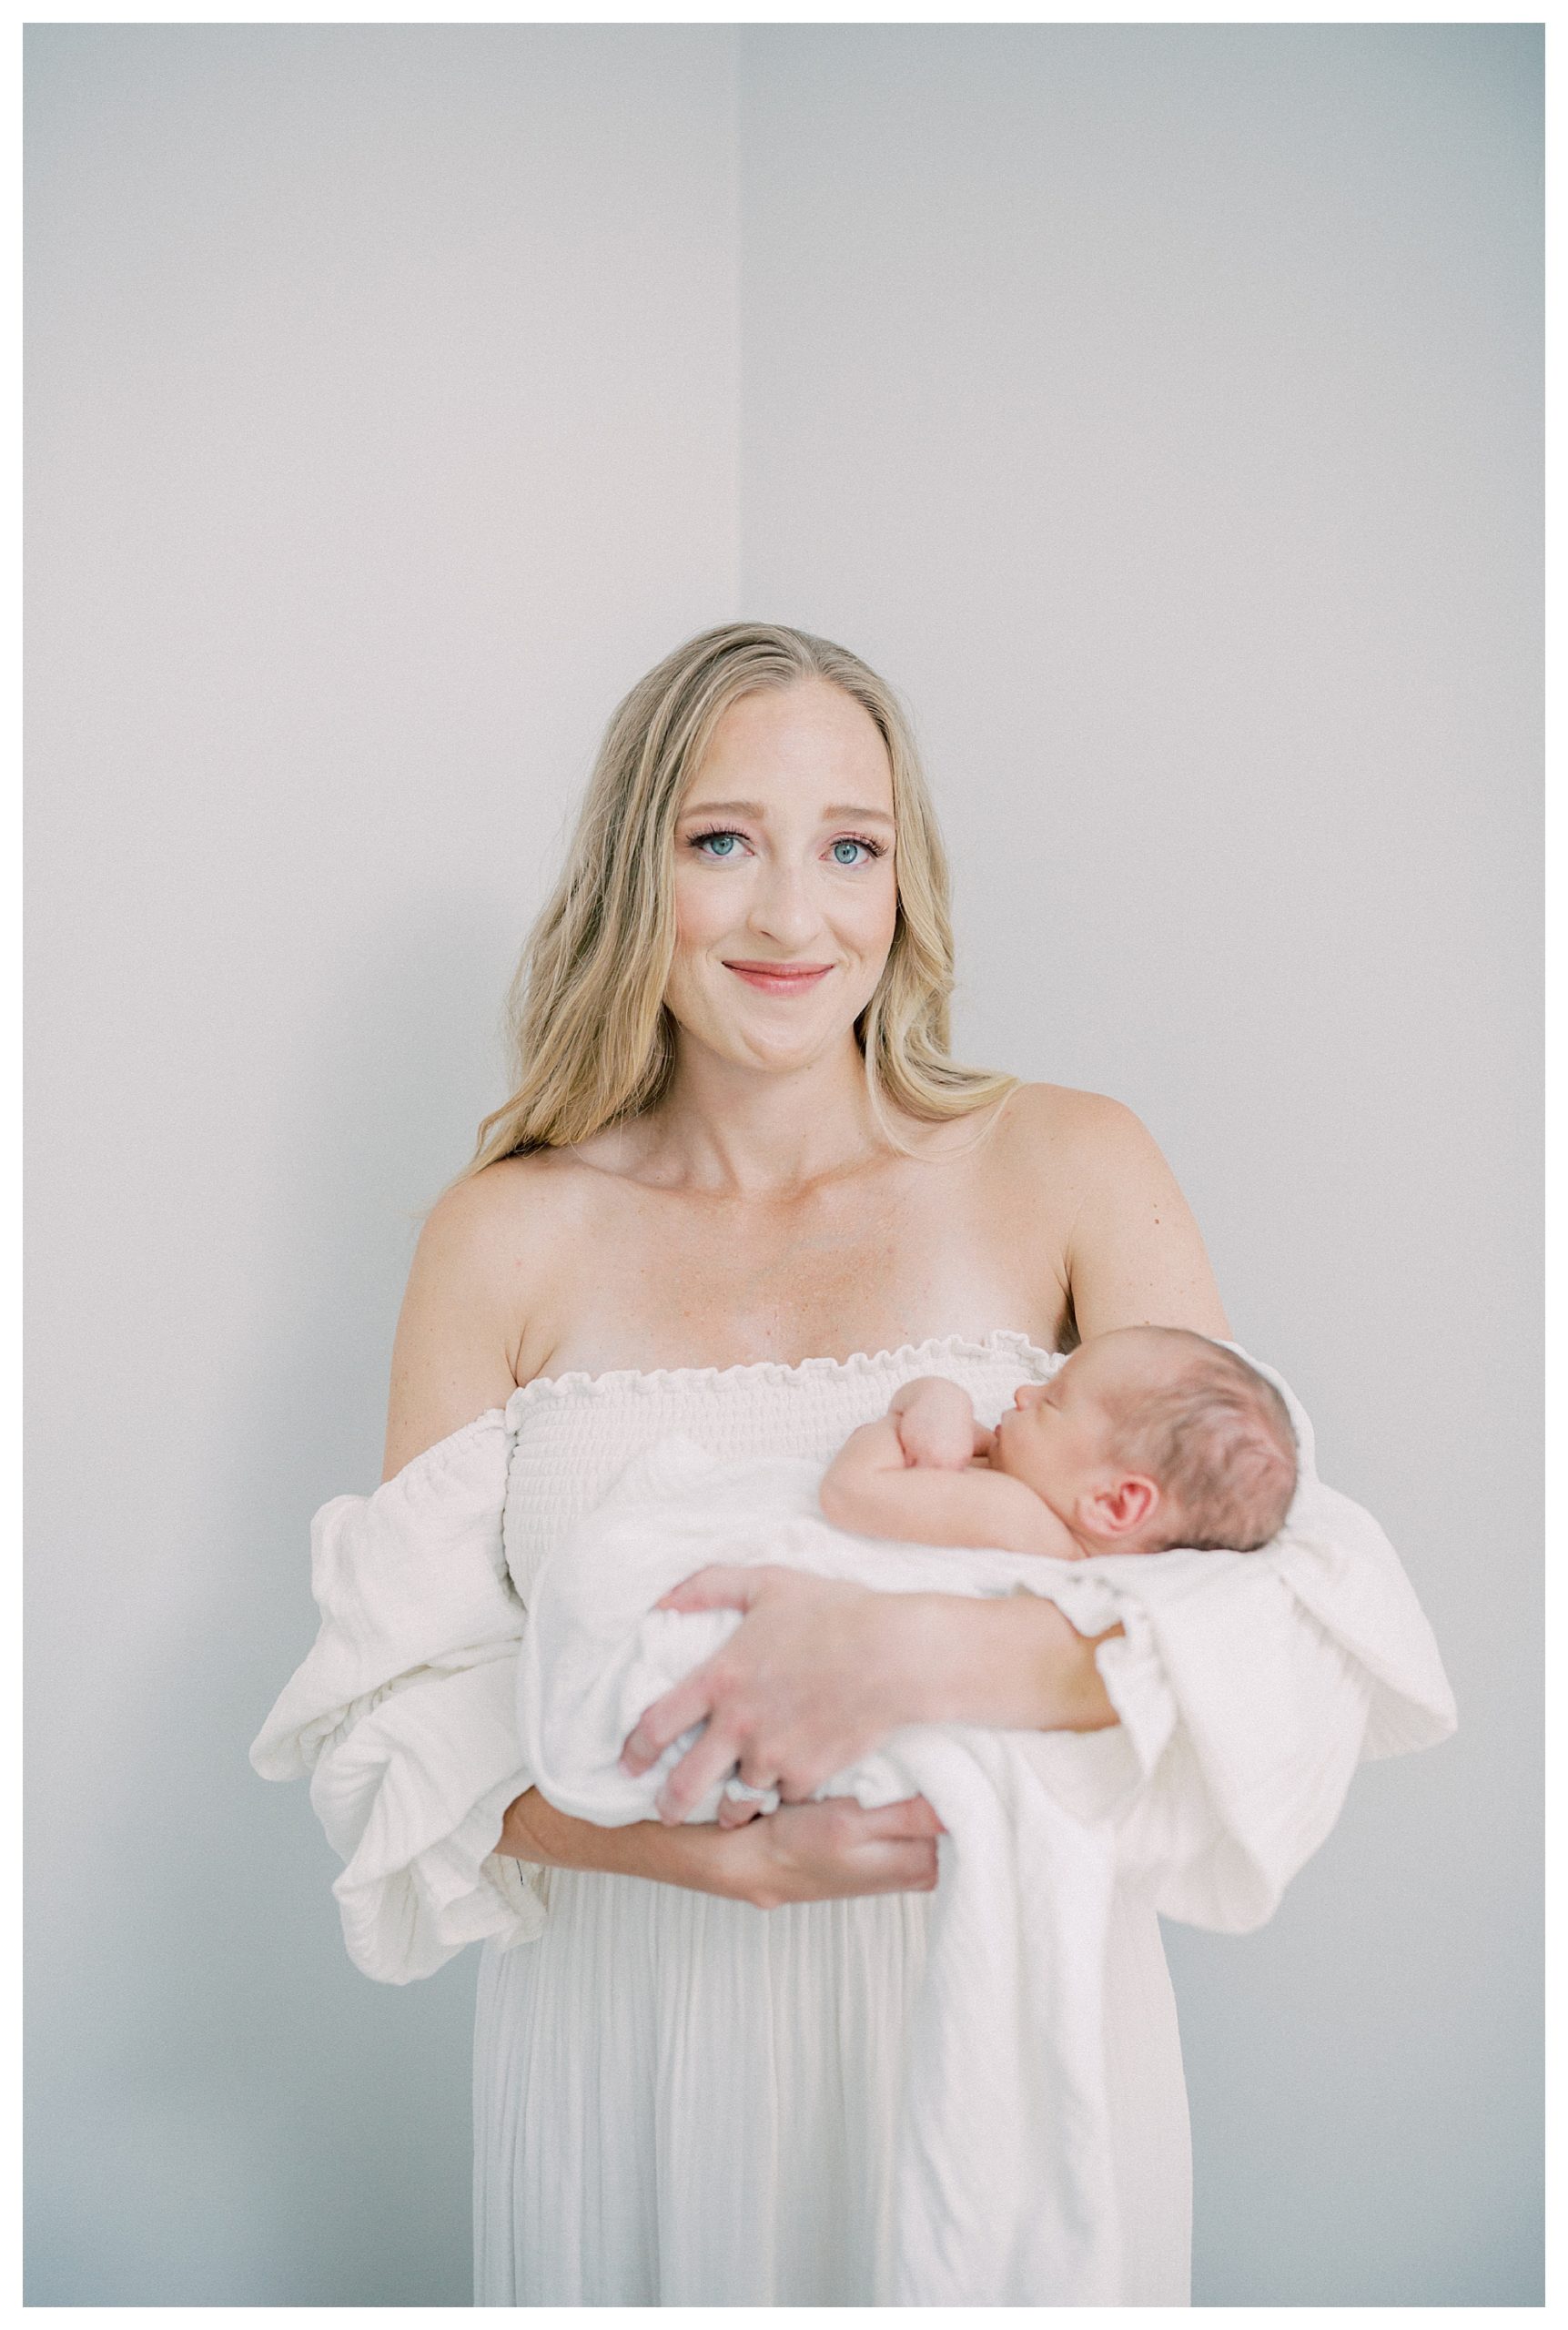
(825, 1852)
(819, 1672)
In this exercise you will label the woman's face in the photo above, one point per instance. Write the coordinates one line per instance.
(785, 897)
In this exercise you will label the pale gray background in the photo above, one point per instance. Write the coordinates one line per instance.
(1159, 408)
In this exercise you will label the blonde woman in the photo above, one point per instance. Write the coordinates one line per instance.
(742, 1191)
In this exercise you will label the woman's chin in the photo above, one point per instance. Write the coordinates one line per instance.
(792, 1054)
(776, 1051)
(781, 1041)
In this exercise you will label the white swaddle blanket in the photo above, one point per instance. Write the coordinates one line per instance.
(1248, 1686)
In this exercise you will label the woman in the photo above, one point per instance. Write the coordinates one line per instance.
(767, 1157)
(742, 1193)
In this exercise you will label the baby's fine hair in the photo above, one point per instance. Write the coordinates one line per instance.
(1217, 1438)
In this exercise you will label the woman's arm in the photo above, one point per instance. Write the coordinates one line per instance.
(699, 1856)
(1135, 1256)
(449, 1356)
(805, 1852)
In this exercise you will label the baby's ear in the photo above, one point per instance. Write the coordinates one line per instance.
(1127, 1504)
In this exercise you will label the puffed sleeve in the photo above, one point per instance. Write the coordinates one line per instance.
(1249, 1688)
(403, 1714)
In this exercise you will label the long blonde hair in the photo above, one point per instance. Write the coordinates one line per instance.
(590, 1038)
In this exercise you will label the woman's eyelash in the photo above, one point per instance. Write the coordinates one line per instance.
(729, 833)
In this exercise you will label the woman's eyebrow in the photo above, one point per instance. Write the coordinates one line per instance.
(855, 809)
(757, 809)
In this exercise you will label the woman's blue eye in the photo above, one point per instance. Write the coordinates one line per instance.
(723, 844)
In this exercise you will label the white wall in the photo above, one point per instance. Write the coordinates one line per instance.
(384, 427)
(1159, 406)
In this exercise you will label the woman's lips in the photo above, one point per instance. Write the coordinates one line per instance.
(780, 979)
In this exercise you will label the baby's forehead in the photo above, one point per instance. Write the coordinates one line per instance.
(1133, 1355)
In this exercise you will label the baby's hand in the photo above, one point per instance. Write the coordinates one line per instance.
(936, 1422)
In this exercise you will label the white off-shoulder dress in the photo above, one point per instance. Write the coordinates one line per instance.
(680, 2099)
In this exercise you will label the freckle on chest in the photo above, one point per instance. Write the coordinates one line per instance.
(812, 1280)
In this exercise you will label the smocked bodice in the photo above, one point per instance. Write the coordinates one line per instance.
(571, 1434)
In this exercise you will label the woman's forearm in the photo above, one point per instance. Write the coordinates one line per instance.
(705, 1858)
(1013, 1664)
(804, 1852)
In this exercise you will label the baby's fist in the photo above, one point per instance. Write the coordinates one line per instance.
(936, 1423)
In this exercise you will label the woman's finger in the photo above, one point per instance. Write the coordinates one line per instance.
(919, 1868)
(720, 1586)
(687, 1703)
(709, 1760)
(912, 1817)
(897, 1867)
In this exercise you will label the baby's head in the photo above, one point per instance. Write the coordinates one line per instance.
(1152, 1437)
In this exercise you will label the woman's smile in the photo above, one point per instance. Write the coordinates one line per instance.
(780, 979)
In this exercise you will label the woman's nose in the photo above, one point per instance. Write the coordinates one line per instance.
(782, 909)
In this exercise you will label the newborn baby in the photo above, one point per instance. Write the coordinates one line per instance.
(1149, 1438)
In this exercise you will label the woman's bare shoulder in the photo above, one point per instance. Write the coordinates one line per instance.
(485, 1253)
(477, 1236)
(502, 1203)
(1133, 1251)
(1052, 1128)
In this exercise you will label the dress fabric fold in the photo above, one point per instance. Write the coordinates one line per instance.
(403, 1714)
(682, 2100)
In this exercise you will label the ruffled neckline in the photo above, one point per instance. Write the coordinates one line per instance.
(999, 1344)
(432, 1463)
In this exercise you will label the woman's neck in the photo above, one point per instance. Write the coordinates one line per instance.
(743, 1131)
